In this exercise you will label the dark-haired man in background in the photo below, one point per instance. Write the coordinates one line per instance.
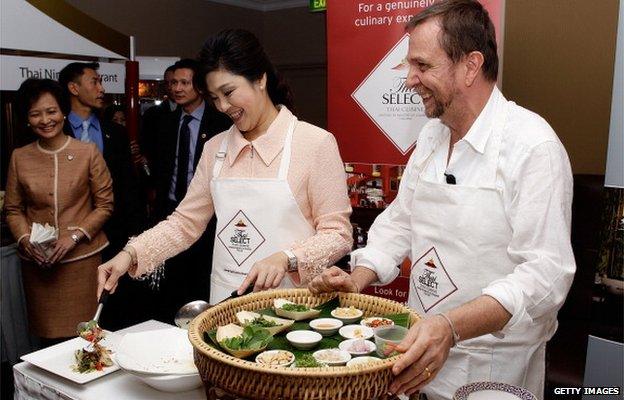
(83, 87)
(153, 116)
(178, 142)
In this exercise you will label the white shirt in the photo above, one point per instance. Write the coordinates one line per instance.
(535, 181)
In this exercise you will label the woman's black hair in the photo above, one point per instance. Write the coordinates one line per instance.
(239, 52)
(109, 112)
(32, 89)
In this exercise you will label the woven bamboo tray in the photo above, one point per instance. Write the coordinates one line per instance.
(252, 381)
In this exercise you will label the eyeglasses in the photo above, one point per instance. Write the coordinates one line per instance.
(450, 179)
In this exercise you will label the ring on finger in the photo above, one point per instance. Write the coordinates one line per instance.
(428, 371)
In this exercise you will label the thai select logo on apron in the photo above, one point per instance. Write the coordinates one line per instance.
(241, 238)
(430, 280)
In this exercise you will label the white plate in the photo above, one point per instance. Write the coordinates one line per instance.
(161, 351)
(59, 358)
(492, 391)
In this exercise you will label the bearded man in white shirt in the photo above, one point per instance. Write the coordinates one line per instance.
(483, 212)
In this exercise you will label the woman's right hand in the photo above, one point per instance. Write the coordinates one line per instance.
(31, 251)
(110, 272)
(333, 280)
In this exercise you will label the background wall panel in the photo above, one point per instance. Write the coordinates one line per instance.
(559, 58)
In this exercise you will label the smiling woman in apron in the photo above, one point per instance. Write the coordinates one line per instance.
(276, 185)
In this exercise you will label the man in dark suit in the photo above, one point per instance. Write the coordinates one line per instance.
(153, 116)
(178, 144)
(83, 86)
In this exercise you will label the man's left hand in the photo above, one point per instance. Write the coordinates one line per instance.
(266, 273)
(426, 348)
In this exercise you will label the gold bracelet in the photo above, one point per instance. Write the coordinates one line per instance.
(453, 332)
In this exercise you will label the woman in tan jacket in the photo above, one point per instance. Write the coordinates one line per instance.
(65, 183)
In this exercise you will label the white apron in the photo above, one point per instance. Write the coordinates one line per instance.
(459, 244)
(255, 218)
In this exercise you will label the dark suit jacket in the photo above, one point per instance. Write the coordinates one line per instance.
(128, 217)
(187, 275)
(166, 138)
(150, 123)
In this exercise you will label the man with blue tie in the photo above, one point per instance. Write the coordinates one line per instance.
(83, 87)
(178, 144)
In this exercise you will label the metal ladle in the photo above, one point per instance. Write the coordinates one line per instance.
(83, 325)
(189, 311)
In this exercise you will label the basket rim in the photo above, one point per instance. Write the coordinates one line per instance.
(196, 339)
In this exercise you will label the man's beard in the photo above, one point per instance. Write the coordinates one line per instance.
(438, 109)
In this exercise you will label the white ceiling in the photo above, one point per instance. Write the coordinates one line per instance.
(264, 5)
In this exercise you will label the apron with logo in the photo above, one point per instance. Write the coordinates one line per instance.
(459, 244)
(255, 218)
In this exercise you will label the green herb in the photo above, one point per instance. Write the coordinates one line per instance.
(210, 338)
(252, 338)
(295, 307)
(400, 319)
(261, 321)
(307, 361)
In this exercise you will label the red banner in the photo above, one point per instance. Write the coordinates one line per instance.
(374, 117)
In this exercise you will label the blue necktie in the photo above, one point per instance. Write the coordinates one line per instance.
(84, 136)
(183, 158)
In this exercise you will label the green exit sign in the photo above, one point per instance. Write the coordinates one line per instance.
(318, 5)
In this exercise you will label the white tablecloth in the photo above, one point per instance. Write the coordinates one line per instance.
(33, 383)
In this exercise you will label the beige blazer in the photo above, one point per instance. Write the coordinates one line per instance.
(69, 188)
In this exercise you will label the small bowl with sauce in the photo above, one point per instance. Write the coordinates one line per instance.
(326, 326)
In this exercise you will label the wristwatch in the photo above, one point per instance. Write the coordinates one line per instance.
(292, 261)
(75, 238)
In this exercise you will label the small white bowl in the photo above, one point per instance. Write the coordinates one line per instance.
(356, 332)
(350, 319)
(362, 361)
(326, 326)
(342, 357)
(304, 340)
(260, 356)
(347, 344)
(367, 322)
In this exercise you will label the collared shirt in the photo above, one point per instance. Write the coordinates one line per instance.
(95, 131)
(316, 179)
(172, 105)
(194, 125)
(535, 181)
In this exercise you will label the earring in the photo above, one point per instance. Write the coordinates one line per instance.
(261, 87)
(27, 124)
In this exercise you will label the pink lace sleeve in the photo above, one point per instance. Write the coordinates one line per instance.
(327, 191)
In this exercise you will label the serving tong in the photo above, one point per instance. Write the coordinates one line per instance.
(83, 325)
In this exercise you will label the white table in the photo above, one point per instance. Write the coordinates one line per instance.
(33, 383)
